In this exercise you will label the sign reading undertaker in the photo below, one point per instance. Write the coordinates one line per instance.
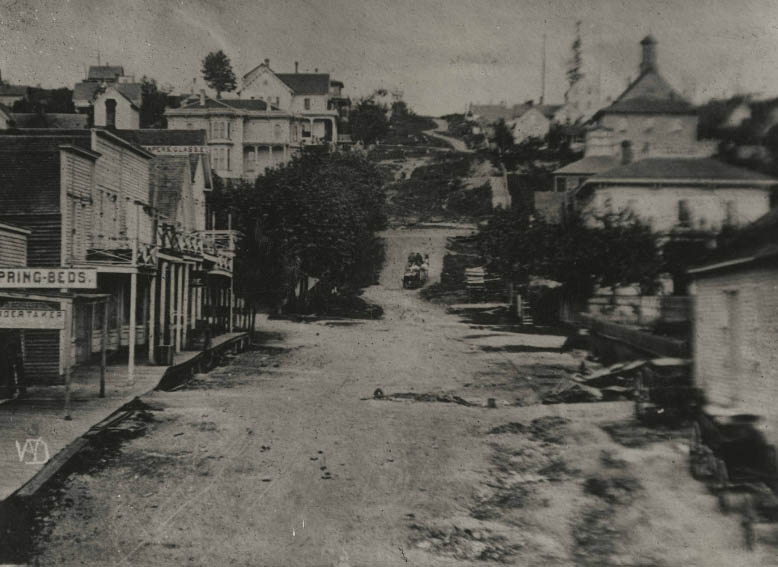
(48, 278)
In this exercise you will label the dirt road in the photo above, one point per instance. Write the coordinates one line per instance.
(442, 126)
(287, 456)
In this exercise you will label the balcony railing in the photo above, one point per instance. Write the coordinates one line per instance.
(119, 251)
(218, 240)
(173, 239)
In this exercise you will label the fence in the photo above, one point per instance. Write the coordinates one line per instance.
(641, 310)
(609, 336)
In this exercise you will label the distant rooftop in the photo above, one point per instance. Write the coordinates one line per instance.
(105, 72)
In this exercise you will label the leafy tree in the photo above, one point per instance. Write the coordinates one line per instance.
(368, 121)
(154, 102)
(217, 72)
(607, 250)
(574, 73)
(48, 100)
(315, 217)
(503, 137)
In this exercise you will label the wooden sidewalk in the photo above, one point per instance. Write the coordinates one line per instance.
(34, 427)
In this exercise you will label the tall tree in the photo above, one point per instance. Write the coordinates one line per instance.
(503, 137)
(154, 102)
(574, 68)
(217, 72)
(368, 121)
(316, 216)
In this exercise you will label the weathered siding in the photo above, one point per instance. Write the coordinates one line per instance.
(41, 361)
(43, 244)
(13, 248)
(736, 359)
(77, 174)
(123, 174)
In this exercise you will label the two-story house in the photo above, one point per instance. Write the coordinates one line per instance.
(312, 96)
(191, 247)
(83, 195)
(244, 136)
(649, 119)
(110, 97)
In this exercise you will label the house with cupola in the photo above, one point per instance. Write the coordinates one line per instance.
(642, 154)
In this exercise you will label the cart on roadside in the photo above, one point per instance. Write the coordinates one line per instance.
(665, 390)
(731, 455)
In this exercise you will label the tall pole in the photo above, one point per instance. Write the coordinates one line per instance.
(543, 72)
(103, 342)
(179, 305)
(162, 297)
(133, 300)
(65, 334)
(152, 335)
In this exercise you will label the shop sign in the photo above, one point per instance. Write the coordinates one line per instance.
(11, 318)
(48, 278)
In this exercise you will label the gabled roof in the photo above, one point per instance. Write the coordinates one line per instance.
(105, 72)
(590, 165)
(233, 103)
(160, 137)
(167, 177)
(306, 83)
(683, 170)
(49, 120)
(650, 93)
(493, 112)
(194, 161)
(87, 92)
(755, 242)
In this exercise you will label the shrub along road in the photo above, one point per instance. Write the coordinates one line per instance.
(288, 455)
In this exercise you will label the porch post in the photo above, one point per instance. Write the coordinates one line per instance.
(179, 305)
(185, 308)
(65, 338)
(172, 304)
(133, 302)
(232, 302)
(162, 297)
(152, 335)
(103, 343)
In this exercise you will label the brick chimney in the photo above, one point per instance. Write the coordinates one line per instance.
(267, 62)
(296, 66)
(202, 97)
(648, 60)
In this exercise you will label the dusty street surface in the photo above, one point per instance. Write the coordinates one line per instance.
(285, 457)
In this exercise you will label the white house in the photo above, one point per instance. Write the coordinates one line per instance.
(533, 121)
(700, 194)
(244, 136)
(113, 108)
(312, 96)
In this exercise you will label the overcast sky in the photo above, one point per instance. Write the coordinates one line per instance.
(441, 54)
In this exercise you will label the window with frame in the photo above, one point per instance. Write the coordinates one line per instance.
(561, 184)
(277, 131)
(307, 103)
(220, 158)
(221, 130)
(684, 213)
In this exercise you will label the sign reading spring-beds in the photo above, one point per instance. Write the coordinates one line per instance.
(48, 278)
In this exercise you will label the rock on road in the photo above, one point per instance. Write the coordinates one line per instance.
(283, 457)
